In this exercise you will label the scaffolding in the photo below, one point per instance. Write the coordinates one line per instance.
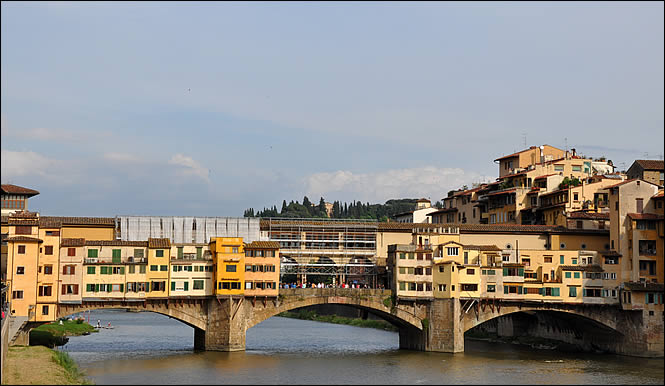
(186, 230)
(339, 248)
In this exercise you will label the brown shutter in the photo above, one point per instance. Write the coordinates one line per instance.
(64, 289)
(76, 289)
(64, 269)
(73, 271)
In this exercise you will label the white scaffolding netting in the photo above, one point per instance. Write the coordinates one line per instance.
(187, 230)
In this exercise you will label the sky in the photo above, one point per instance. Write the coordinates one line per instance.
(207, 109)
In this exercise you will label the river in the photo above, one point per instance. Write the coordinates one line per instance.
(148, 348)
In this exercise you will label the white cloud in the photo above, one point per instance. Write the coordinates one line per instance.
(54, 135)
(25, 163)
(121, 157)
(428, 181)
(187, 166)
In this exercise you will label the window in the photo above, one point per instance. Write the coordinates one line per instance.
(138, 253)
(154, 268)
(647, 247)
(568, 275)
(199, 252)
(116, 255)
(142, 268)
(163, 268)
(71, 251)
(452, 251)
(234, 250)
(118, 270)
(21, 249)
(48, 269)
(470, 271)
(231, 268)
(180, 253)
(23, 230)
(505, 258)
(491, 288)
(44, 310)
(548, 259)
(45, 290)
(17, 294)
(159, 253)
(576, 275)
(66, 269)
(92, 252)
(158, 286)
(132, 269)
(577, 168)
(562, 245)
(20, 270)
(402, 255)
(198, 285)
(561, 259)
(70, 289)
(441, 268)
(469, 287)
(592, 292)
(576, 197)
(402, 286)
(91, 270)
(572, 291)
(639, 204)
(574, 261)
(48, 249)
(558, 168)
(466, 257)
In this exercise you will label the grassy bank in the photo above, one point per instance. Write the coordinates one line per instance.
(55, 334)
(39, 365)
(357, 322)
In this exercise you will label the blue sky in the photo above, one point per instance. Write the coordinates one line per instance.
(208, 109)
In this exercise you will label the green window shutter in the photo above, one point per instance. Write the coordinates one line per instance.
(91, 270)
(121, 287)
(577, 275)
(541, 291)
(567, 275)
(561, 260)
(122, 270)
(109, 287)
(186, 286)
(115, 260)
(92, 253)
(172, 286)
(583, 291)
(102, 270)
(555, 291)
(505, 289)
(519, 290)
(180, 252)
(116, 253)
(520, 272)
(505, 272)
(199, 252)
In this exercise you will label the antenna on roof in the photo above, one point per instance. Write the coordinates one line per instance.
(565, 141)
(524, 136)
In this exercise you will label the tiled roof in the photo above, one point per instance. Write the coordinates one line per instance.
(637, 286)
(516, 154)
(24, 214)
(118, 243)
(501, 192)
(483, 247)
(645, 216)
(621, 183)
(159, 243)
(262, 245)
(490, 228)
(589, 215)
(22, 221)
(571, 268)
(57, 222)
(659, 194)
(546, 175)
(24, 239)
(15, 189)
(593, 268)
(646, 164)
(72, 242)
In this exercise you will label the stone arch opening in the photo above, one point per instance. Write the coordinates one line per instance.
(558, 329)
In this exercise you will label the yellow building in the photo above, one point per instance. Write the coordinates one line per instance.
(262, 267)
(192, 269)
(159, 261)
(72, 252)
(229, 259)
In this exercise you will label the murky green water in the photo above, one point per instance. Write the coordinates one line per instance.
(147, 348)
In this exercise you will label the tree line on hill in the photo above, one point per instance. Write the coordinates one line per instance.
(352, 210)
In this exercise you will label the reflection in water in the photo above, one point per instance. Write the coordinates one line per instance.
(147, 348)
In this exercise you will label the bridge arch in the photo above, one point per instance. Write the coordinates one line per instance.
(400, 315)
(193, 314)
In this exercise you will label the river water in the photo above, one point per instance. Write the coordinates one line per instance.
(148, 348)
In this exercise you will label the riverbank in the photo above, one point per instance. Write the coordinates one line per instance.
(39, 365)
(55, 334)
(357, 322)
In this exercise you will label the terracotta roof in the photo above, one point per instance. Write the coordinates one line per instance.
(451, 242)
(516, 154)
(589, 215)
(423, 200)
(546, 175)
(262, 245)
(72, 242)
(483, 247)
(645, 216)
(159, 243)
(22, 221)
(117, 243)
(24, 239)
(593, 268)
(491, 228)
(15, 189)
(501, 192)
(555, 192)
(57, 221)
(571, 268)
(659, 194)
(646, 164)
(24, 214)
(621, 183)
(637, 286)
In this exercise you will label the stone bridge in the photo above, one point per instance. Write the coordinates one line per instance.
(221, 323)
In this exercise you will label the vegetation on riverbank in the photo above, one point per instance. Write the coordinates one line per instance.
(357, 322)
(39, 365)
(55, 334)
